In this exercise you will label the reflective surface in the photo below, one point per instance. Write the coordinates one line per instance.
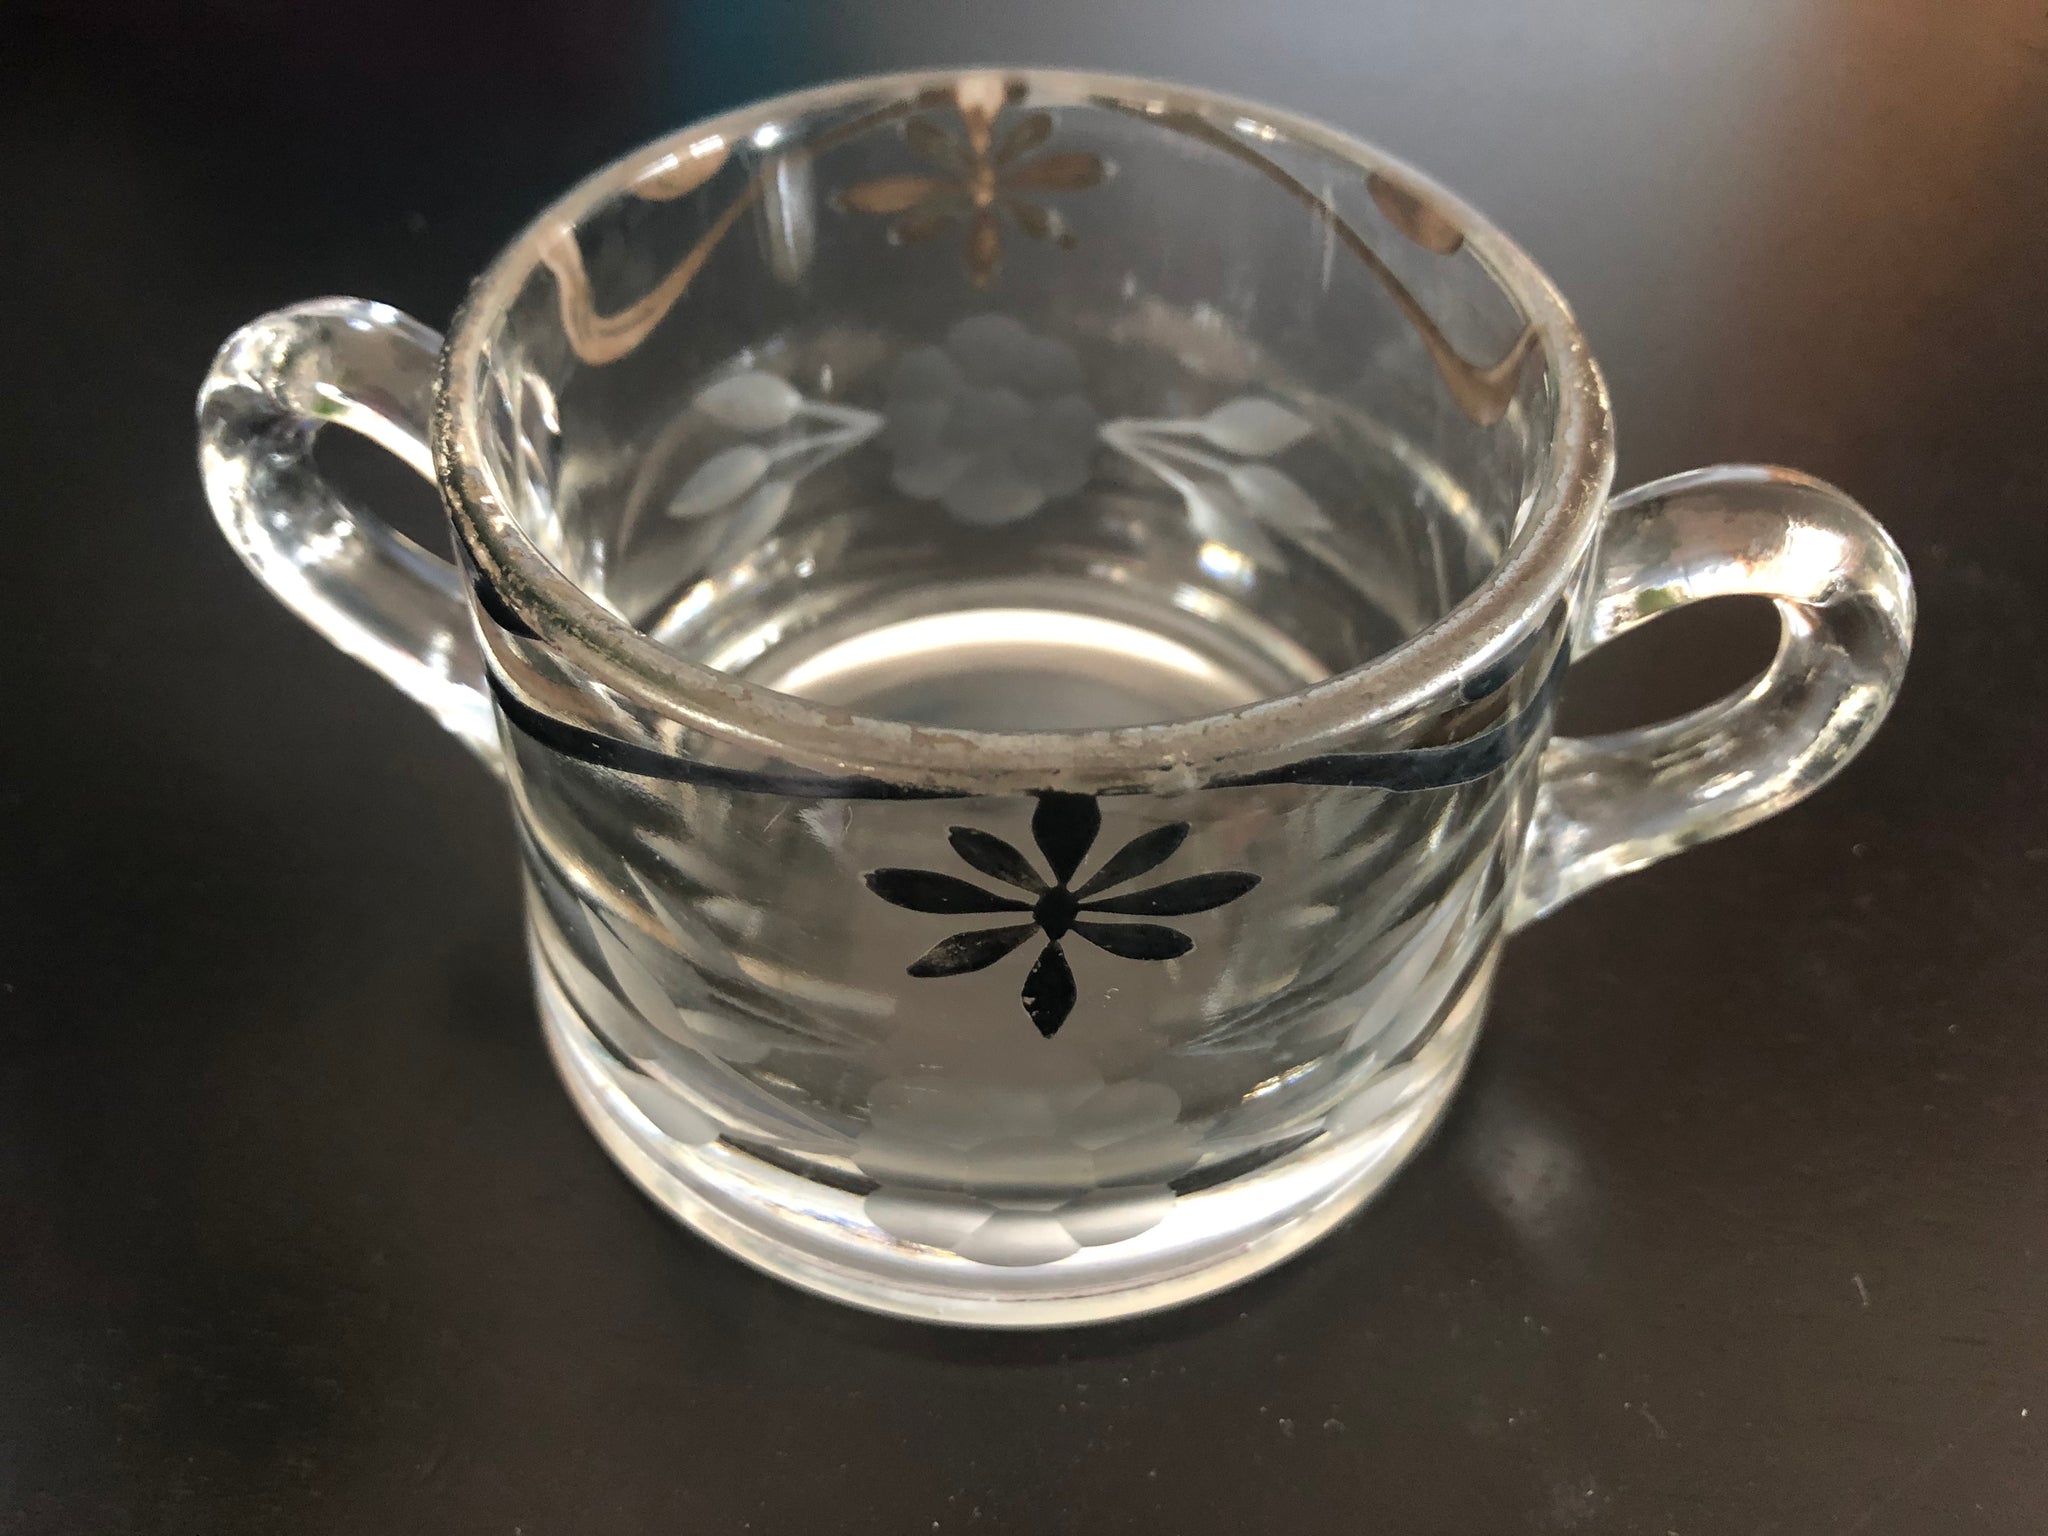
(315, 1240)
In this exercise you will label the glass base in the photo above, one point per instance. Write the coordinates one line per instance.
(819, 1238)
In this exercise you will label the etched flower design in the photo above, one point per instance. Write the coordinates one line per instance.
(992, 424)
(1009, 1174)
(977, 173)
(1065, 827)
(682, 1063)
(785, 437)
(1213, 461)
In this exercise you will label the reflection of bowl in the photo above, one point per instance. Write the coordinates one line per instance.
(1019, 1176)
(992, 425)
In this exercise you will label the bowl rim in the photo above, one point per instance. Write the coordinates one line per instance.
(1535, 572)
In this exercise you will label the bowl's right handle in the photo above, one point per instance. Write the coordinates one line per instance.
(1609, 804)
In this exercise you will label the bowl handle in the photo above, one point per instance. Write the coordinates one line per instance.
(1606, 805)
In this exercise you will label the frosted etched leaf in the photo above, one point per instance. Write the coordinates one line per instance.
(1213, 512)
(1219, 518)
(636, 984)
(1116, 1215)
(667, 1111)
(991, 494)
(1018, 1239)
(770, 500)
(1253, 427)
(720, 481)
(938, 1220)
(751, 402)
(731, 1040)
(1275, 497)
(752, 523)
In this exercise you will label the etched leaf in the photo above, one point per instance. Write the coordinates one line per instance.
(634, 982)
(1275, 497)
(668, 1112)
(1253, 426)
(751, 523)
(690, 935)
(1219, 518)
(720, 481)
(1116, 1215)
(751, 402)
(770, 500)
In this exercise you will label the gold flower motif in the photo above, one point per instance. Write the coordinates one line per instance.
(977, 175)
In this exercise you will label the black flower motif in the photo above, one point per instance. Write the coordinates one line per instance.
(1064, 826)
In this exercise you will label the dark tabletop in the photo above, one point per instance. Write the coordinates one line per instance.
(1741, 1223)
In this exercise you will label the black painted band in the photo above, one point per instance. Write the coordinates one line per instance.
(1406, 770)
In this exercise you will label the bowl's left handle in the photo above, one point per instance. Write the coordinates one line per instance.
(364, 585)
